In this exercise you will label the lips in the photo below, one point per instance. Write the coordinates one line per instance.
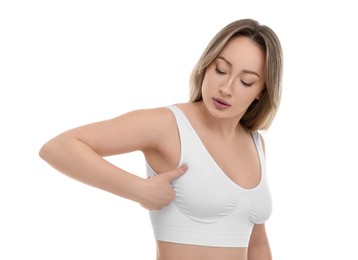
(221, 104)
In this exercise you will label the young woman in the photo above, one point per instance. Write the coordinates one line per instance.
(206, 189)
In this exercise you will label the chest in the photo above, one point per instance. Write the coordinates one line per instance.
(239, 159)
(213, 189)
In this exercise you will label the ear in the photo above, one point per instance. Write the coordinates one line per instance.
(259, 95)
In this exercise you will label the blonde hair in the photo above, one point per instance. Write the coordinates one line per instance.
(260, 113)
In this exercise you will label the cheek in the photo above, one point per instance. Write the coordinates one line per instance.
(246, 97)
(210, 81)
(206, 90)
(206, 84)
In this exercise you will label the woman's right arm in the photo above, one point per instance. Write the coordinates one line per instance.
(78, 153)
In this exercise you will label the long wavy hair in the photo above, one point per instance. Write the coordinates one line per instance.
(261, 112)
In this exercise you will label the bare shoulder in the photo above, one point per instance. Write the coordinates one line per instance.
(153, 118)
(146, 128)
(188, 107)
(191, 110)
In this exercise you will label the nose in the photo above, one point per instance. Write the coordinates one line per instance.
(226, 88)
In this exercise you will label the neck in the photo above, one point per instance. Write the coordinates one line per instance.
(227, 128)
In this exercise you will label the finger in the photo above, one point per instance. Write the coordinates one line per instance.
(177, 172)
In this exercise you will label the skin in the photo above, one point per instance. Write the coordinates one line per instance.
(232, 79)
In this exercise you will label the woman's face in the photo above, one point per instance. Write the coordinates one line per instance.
(234, 79)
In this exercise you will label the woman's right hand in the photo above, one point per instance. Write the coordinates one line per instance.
(158, 191)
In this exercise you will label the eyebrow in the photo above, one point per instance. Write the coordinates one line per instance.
(244, 71)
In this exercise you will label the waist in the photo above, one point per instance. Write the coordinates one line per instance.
(175, 251)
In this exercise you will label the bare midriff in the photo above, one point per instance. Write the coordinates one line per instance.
(173, 251)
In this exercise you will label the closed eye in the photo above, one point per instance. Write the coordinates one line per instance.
(246, 84)
(220, 72)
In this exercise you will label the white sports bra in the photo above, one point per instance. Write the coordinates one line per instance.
(209, 209)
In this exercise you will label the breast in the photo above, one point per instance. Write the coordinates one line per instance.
(204, 195)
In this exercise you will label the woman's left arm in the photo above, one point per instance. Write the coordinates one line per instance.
(259, 247)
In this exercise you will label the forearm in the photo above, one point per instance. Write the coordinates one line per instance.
(262, 252)
(78, 161)
(259, 246)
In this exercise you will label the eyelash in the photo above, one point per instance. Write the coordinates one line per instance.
(246, 84)
(219, 71)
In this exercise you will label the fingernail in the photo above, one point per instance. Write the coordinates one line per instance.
(185, 166)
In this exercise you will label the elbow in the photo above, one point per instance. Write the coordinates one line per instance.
(51, 149)
(45, 151)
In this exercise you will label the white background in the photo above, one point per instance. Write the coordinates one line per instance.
(67, 63)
